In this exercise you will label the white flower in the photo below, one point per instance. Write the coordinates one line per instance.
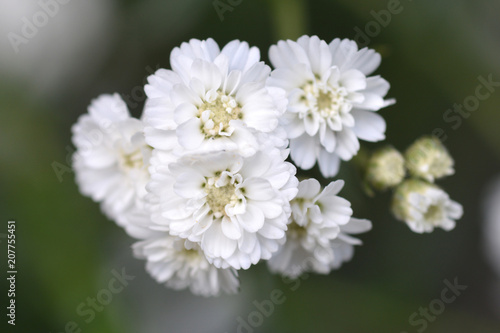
(181, 264)
(212, 100)
(424, 206)
(331, 99)
(111, 159)
(235, 207)
(318, 234)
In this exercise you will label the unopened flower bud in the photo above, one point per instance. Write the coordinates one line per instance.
(428, 159)
(385, 169)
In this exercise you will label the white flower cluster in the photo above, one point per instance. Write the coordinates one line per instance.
(202, 181)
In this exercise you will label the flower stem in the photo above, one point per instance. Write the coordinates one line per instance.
(290, 18)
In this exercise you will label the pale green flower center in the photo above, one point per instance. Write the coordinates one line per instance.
(216, 114)
(326, 101)
(296, 231)
(434, 214)
(132, 161)
(218, 197)
(191, 254)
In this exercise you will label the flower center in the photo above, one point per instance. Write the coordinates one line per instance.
(296, 231)
(191, 254)
(434, 214)
(221, 191)
(132, 161)
(216, 113)
(327, 101)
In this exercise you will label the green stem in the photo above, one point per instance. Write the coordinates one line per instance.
(290, 18)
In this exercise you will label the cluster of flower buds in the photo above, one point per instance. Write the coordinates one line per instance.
(416, 199)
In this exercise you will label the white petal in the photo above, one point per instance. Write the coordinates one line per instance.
(215, 244)
(377, 85)
(256, 165)
(184, 112)
(272, 209)
(318, 52)
(242, 57)
(311, 124)
(368, 125)
(342, 51)
(287, 54)
(258, 72)
(356, 226)
(347, 144)
(294, 128)
(189, 134)
(315, 214)
(160, 139)
(208, 73)
(353, 80)
(159, 113)
(160, 83)
(253, 219)
(366, 60)
(336, 209)
(183, 94)
(258, 189)
(329, 163)
(230, 229)
(108, 108)
(308, 188)
(328, 139)
(232, 82)
(189, 185)
(273, 231)
(203, 220)
(290, 78)
(331, 189)
(455, 210)
(303, 151)
(372, 102)
(247, 243)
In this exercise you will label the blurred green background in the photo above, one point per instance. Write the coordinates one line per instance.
(433, 54)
